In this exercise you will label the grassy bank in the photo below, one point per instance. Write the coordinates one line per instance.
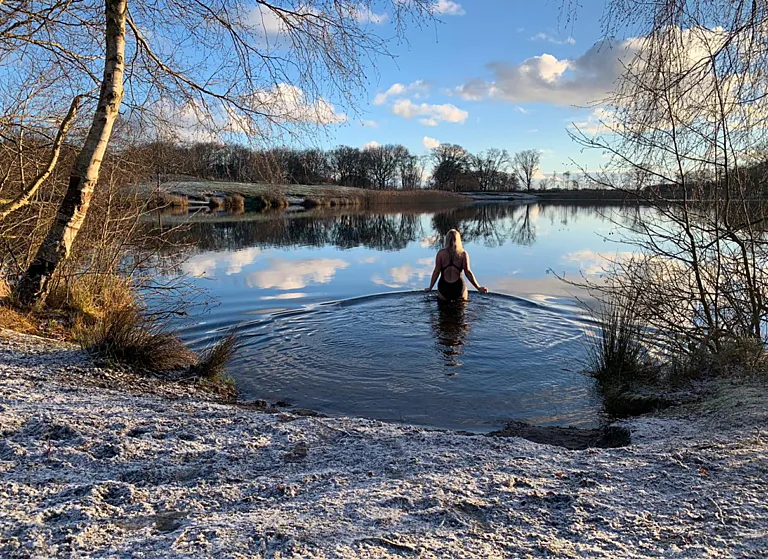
(257, 197)
(107, 320)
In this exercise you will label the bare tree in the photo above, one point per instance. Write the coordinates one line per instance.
(450, 164)
(525, 165)
(345, 163)
(253, 69)
(57, 244)
(411, 169)
(489, 167)
(686, 133)
(383, 163)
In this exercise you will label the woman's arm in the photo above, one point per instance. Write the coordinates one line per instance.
(471, 276)
(435, 273)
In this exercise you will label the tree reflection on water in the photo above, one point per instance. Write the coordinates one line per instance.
(491, 224)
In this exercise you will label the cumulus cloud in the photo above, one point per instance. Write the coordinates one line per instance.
(288, 103)
(373, 144)
(431, 114)
(295, 274)
(588, 78)
(430, 143)
(415, 89)
(448, 8)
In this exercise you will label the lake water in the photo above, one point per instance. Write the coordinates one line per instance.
(333, 316)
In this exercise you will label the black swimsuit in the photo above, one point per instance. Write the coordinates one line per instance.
(451, 290)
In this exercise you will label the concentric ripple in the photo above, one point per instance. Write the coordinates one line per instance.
(406, 357)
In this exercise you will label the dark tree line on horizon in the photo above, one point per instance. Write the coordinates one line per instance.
(380, 167)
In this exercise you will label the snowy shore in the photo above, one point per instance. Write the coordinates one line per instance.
(92, 469)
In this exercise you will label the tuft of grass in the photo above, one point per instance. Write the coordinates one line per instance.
(618, 358)
(735, 356)
(212, 363)
(123, 335)
(215, 202)
(234, 203)
(12, 319)
(164, 200)
(89, 296)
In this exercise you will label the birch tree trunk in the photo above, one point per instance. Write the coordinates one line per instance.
(23, 199)
(35, 283)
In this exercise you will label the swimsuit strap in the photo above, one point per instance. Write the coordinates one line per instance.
(444, 268)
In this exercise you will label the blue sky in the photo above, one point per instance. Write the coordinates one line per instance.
(505, 74)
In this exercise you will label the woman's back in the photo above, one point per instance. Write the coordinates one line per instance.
(451, 266)
(450, 262)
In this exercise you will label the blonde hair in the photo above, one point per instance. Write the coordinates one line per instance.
(453, 244)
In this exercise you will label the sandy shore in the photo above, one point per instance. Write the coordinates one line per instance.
(92, 471)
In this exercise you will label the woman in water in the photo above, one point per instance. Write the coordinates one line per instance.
(450, 262)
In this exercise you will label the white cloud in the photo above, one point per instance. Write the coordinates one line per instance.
(264, 20)
(553, 40)
(588, 78)
(267, 21)
(600, 121)
(430, 143)
(431, 113)
(523, 110)
(448, 8)
(289, 103)
(370, 123)
(295, 274)
(373, 144)
(417, 90)
(366, 15)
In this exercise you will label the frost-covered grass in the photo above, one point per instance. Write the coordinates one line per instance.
(89, 470)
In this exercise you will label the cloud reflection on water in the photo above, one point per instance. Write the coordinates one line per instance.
(406, 275)
(285, 275)
(206, 264)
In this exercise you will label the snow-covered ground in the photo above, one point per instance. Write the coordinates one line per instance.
(88, 469)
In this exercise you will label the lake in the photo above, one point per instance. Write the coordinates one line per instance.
(332, 314)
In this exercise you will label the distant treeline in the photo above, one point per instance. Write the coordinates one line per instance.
(380, 167)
